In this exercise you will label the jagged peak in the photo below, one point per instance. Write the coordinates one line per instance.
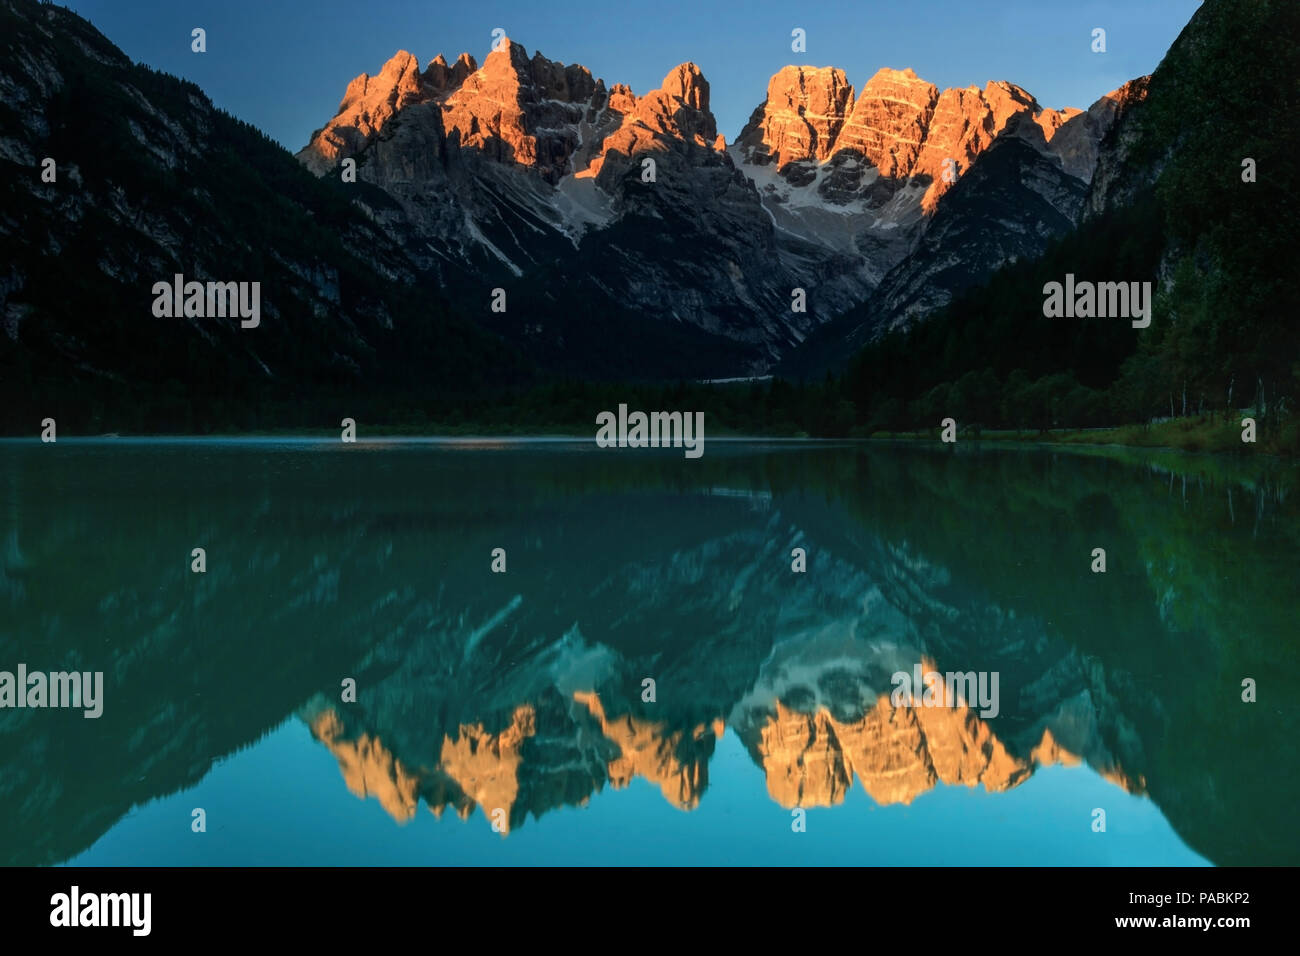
(687, 83)
(401, 60)
(442, 77)
(506, 54)
(401, 67)
(804, 110)
(1000, 93)
(510, 63)
(401, 64)
(1007, 86)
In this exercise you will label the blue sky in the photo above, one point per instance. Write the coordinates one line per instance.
(283, 65)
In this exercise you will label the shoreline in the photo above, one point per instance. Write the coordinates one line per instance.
(1058, 439)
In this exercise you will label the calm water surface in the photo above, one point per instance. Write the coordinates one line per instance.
(502, 717)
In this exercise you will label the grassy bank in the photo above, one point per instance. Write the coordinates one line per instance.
(1202, 433)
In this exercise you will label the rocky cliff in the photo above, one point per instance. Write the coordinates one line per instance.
(857, 184)
(533, 176)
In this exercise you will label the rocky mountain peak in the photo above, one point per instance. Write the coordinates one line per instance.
(368, 103)
(522, 110)
(680, 107)
(441, 78)
(530, 79)
(889, 121)
(804, 111)
(1005, 99)
(674, 117)
(399, 77)
(506, 57)
(851, 179)
(965, 122)
(621, 98)
(685, 82)
(900, 124)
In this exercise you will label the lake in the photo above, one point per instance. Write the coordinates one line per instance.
(347, 679)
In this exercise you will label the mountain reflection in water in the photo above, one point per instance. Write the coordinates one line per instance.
(520, 693)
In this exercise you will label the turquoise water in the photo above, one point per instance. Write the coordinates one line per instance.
(520, 697)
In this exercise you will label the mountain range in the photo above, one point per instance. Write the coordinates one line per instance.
(531, 176)
(522, 174)
(459, 230)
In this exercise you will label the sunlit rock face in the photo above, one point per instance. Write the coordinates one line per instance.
(810, 720)
(476, 768)
(889, 121)
(527, 170)
(369, 103)
(368, 768)
(899, 126)
(897, 754)
(805, 109)
(655, 752)
(966, 122)
(514, 109)
(528, 695)
(854, 180)
(1017, 191)
(486, 765)
(810, 760)
(520, 110)
(532, 171)
(676, 113)
(633, 242)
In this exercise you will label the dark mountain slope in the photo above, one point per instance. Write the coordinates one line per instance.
(1167, 205)
(152, 180)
